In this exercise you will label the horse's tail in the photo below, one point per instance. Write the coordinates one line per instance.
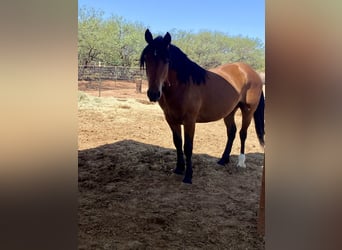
(259, 120)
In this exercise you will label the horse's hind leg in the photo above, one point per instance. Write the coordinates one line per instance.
(247, 116)
(231, 131)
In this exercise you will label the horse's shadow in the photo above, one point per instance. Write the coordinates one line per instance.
(128, 159)
(128, 186)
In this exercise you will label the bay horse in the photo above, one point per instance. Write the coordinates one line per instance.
(187, 93)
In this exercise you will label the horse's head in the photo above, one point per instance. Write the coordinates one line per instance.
(155, 58)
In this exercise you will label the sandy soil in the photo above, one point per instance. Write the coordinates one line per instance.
(130, 199)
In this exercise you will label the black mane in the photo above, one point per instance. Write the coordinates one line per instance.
(186, 68)
(178, 61)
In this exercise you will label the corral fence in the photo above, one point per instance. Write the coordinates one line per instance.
(97, 74)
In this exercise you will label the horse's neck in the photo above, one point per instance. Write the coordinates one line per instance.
(172, 86)
(172, 79)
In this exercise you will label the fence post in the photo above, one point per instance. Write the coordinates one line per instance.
(138, 84)
(100, 85)
(99, 78)
(115, 74)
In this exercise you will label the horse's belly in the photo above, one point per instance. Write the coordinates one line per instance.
(206, 119)
(212, 116)
(216, 110)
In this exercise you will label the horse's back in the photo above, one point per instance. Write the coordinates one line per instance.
(232, 74)
(244, 79)
(238, 74)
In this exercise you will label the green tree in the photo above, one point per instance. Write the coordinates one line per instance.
(210, 49)
(248, 50)
(89, 36)
(115, 41)
(131, 42)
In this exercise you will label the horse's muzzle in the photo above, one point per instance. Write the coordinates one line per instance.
(153, 95)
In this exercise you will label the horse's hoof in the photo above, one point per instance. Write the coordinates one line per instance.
(187, 180)
(241, 165)
(222, 162)
(178, 171)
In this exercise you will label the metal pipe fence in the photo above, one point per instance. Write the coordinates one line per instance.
(115, 73)
(95, 75)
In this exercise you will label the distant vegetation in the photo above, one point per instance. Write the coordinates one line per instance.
(115, 41)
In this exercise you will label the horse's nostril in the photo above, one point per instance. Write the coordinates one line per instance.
(153, 95)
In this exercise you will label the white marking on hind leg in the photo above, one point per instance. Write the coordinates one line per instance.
(241, 162)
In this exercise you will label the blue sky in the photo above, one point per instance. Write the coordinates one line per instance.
(233, 17)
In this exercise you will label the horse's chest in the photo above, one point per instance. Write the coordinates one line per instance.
(173, 111)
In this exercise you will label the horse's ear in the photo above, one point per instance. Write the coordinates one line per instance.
(148, 36)
(167, 38)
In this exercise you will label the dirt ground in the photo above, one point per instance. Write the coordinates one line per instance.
(130, 199)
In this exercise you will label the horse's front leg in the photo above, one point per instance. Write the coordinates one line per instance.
(189, 131)
(177, 140)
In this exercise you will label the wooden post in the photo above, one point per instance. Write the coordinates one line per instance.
(99, 72)
(138, 84)
(100, 81)
(115, 74)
